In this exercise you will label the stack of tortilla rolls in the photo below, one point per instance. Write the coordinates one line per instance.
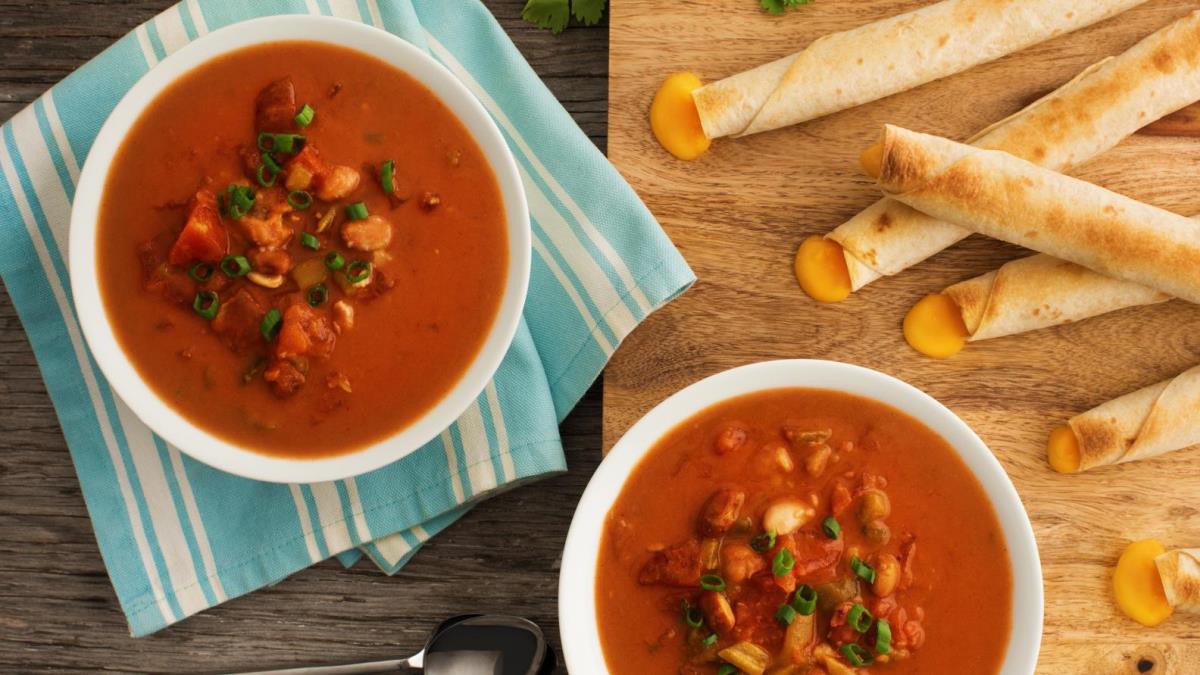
(1145, 423)
(1085, 117)
(846, 69)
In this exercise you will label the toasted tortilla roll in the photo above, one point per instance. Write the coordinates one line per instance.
(1180, 573)
(846, 69)
(1161, 418)
(1008, 198)
(1081, 119)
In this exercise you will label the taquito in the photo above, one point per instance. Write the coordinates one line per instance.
(846, 69)
(1081, 119)
(1008, 198)
(1180, 574)
(1161, 418)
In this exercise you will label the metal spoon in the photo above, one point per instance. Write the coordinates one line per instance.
(471, 644)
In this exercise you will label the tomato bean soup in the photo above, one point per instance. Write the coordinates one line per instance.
(803, 531)
(301, 248)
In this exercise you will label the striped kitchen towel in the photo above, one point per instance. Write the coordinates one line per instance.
(178, 536)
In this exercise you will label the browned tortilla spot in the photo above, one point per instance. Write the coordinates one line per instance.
(1096, 437)
(883, 222)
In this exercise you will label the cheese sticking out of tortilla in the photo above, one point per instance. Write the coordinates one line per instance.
(820, 268)
(674, 119)
(934, 327)
(1137, 585)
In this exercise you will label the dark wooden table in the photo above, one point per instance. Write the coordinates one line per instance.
(57, 609)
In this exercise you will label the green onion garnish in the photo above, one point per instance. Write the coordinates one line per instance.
(856, 655)
(859, 618)
(305, 116)
(201, 272)
(270, 324)
(805, 600)
(285, 143)
(268, 160)
(727, 669)
(238, 200)
(710, 640)
(883, 637)
(262, 175)
(317, 295)
(299, 199)
(359, 270)
(763, 542)
(783, 562)
(831, 527)
(356, 211)
(786, 614)
(310, 242)
(712, 582)
(206, 304)
(863, 570)
(235, 266)
(335, 261)
(692, 615)
(387, 176)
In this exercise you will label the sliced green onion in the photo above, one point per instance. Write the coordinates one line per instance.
(856, 655)
(261, 175)
(883, 637)
(859, 618)
(268, 160)
(831, 527)
(783, 562)
(335, 261)
(310, 242)
(201, 272)
(727, 669)
(299, 199)
(805, 600)
(387, 176)
(317, 295)
(763, 542)
(206, 304)
(356, 211)
(712, 582)
(305, 116)
(692, 615)
(270, 324)
(786, 614)
(265, 140)
(710, 640)
(862, 570)
(235, 266)
(359, 270)
(238, 200)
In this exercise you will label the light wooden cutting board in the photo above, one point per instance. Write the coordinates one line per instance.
(739, 212)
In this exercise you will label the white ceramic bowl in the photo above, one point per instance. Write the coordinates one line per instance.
(576, 586)
(116, 366)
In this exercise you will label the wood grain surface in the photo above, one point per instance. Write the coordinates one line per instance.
(739, 212)
(57, 608)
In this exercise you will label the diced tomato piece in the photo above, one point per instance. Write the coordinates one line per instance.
(304, 333)
(238, 320)
(275, 107)
(203, 238)
(816, 557)
(677, 565)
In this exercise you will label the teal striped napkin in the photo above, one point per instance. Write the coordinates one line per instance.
(178, 536)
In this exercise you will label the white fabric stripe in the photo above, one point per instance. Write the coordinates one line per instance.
(38, 162)
(506, 462)
(420, 533)
(171, 31)
(476, 449)
(452, 464)
(594, 281)
(331, 516)
(164, 517)
(597, 239)
(143, 38)
(376, 15)
(360, 519)
(193, 514)
(347, 9)
(593, 329)
(60, 136)
(392, 547)
(310, 541)
(197, 17)
(93, 389)
(312, 6)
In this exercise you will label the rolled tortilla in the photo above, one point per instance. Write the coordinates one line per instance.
(1082, 119)
(846, 69)
(1008, 198)
(1180, 574)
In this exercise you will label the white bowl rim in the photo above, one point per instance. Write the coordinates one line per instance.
(576, 593)
(123, 376)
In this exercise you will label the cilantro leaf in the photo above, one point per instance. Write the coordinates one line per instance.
(550, 14)
(779, 6)
(587, 11)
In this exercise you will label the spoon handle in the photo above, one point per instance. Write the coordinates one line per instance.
(394, 665)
